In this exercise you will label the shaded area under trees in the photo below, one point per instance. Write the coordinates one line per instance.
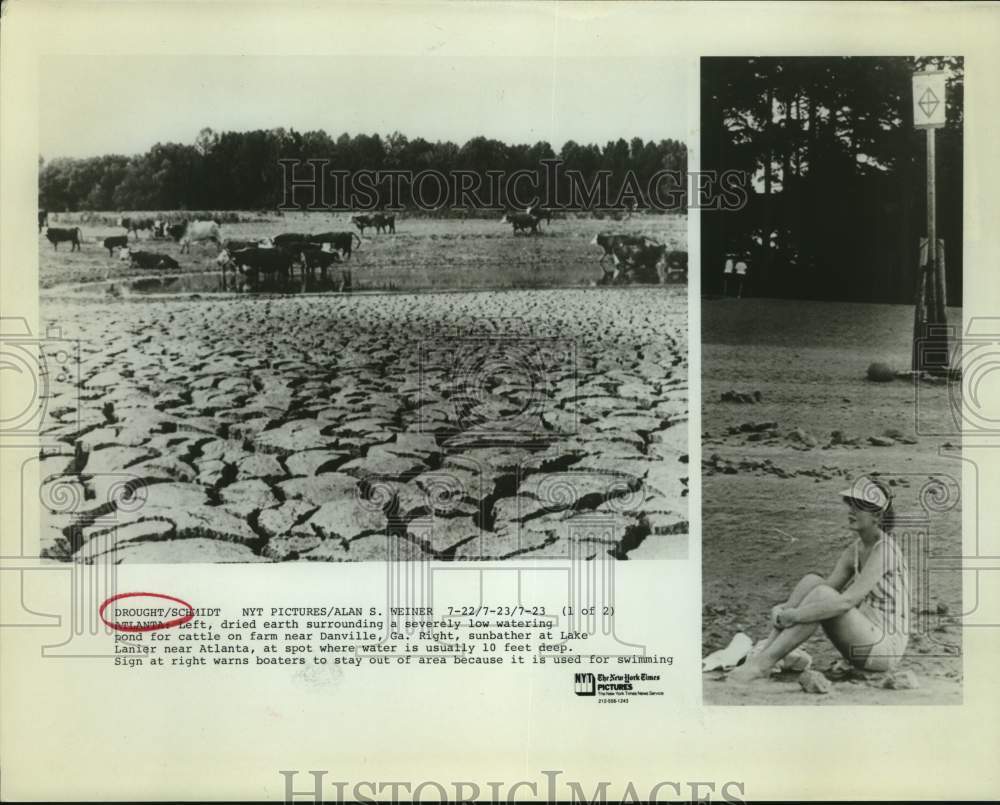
(839, 179)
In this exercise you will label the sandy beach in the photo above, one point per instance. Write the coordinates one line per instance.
(772, 469)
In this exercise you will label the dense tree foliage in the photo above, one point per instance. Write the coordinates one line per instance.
(242, 170)
(839, 173)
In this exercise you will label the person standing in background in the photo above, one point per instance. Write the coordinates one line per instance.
(727, 272)
(742, 268)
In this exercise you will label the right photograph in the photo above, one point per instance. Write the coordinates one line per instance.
(831, 316)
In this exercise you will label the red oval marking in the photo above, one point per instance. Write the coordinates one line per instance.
(152, 627)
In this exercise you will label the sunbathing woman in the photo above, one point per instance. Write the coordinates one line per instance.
(863, 605)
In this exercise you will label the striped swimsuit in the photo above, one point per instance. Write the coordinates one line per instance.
(887, 605)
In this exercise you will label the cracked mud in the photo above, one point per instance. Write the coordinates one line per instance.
(452, 426)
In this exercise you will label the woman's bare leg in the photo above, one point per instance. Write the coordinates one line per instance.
(806, 585)
(853, 635)
(848, 631)
(759, 665)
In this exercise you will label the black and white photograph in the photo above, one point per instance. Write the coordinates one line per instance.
(366, 436)
(316, 321)
(831, 455)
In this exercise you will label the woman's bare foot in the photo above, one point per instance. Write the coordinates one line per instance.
(749, 672)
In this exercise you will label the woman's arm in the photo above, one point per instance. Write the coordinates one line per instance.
(812, 611)
(843, 570)
(839, 576)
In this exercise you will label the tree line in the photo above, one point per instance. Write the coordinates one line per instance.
(236, 170)
(839, 190)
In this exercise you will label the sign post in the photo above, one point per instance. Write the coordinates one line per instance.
(930, 324)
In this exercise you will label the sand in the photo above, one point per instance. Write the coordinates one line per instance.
(772, 470)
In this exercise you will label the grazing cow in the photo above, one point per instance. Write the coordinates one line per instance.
(115, 242)
(378, 221)
(608, 242)
(385, 223)
(43, 220)
(133, 225)
(200, 231)
(159, 229)
(341, 241)
(56, 236)
(147, 259)
(362, 222)
(521, 221)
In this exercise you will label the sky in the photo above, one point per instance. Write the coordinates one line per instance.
(92, 105)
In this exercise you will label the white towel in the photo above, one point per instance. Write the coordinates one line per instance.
(730, 656)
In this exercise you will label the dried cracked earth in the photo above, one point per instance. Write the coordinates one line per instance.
(460, 426)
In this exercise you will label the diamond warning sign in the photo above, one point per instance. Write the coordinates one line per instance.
(928, 100)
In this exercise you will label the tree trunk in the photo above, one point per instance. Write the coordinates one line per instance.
(768, 254)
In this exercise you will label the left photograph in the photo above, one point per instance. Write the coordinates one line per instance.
(289, 317)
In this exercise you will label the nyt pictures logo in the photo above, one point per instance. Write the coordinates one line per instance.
(584, 684)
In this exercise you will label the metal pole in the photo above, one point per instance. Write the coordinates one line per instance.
(931, 209)
(930, 336)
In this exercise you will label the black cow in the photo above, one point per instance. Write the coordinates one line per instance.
(649, 261)
(255, 261)
(56, 236)
(362, 222)
(643, 262)
(521, 221)
(317, 258)
(148, 259)
(341, 241)
(133, 225)
(43, 220)
(379, 221)
(115, 242)
(609, 242)
(289, 239)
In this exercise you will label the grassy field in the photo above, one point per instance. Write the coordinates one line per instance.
(424, 254)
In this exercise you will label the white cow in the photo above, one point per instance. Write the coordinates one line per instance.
(200, 230)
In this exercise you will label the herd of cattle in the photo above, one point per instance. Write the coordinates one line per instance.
(251, 263)
(636, 258)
